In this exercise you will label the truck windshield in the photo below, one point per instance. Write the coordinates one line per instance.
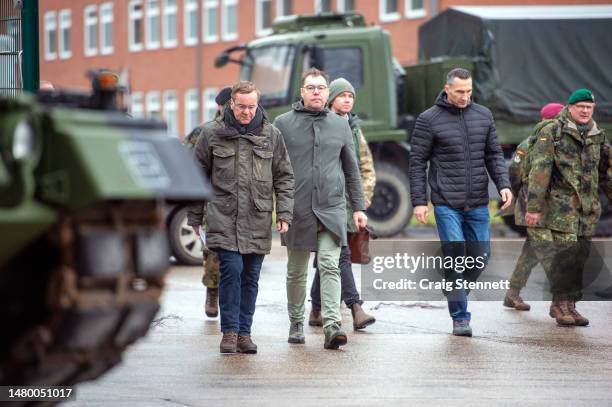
(269, 68)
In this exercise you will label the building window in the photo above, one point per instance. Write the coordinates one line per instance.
(322, 6)
(169, 23)
(136, 105)
(50, 36)
(65, 25)
(388, 11)
(153, 105)
(106, 28)
(91, 30)
(210, 18)
(191, 22)
(135, 25)
(209, 103)
(284, 8)
(263, 17)
(171, 112)
(152, 24)
(345, 6)
(192, 118)
(415, 9)
(230, 20)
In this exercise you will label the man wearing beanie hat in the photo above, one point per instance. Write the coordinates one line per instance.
(341, 101)
(570, 162)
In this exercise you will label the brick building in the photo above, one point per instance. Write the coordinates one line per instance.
(166, 48)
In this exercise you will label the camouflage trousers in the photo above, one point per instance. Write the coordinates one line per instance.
(563, 257)
(210, 279)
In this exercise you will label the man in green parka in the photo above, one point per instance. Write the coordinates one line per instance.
(322, 153)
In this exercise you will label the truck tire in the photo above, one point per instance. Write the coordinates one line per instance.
(391, 209)
(185, 245)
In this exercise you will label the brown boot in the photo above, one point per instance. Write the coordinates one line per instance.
(246, 345)
(580, 320)
(229, 342)
(360, 318)
(211, 307)
(315, 319)
(514, 300)
(559, 310)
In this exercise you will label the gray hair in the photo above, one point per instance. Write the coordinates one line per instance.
(457, 73)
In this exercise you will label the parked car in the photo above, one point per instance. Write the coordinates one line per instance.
(185, 245)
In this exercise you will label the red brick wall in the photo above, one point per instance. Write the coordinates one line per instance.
(174, 68)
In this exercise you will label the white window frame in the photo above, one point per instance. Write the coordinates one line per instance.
(152, 13)
(136, 109)
(132, 16)
(191, 6)
(209, 105)
(167, 12)
(387, 17)
(259, 30)
(225, 35)
(90, 17)
(65, 23)
(318, 6)
(106, 49)
(50, 25)
(341, 6)
(280, 9)
(207, 5)
(171, 108)
(411, 12)
(153, 101)
(191, 105)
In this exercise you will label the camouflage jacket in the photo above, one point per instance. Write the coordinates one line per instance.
(567, 169)
(246, 170)
(366, 168)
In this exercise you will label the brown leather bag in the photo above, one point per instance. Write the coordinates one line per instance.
(359, 244)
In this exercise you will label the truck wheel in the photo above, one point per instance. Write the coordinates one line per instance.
(391, 208)
(185, 244)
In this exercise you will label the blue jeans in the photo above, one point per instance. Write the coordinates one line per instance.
(462, 233)
(238, 288)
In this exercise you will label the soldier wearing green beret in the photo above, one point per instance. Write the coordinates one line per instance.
(559, 202)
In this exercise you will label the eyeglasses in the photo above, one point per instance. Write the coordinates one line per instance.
(311, 88)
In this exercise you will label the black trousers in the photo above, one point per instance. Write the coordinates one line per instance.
(350, 295)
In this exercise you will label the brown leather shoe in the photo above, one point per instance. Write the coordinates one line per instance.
(514, 300)
(360, 318)
(246, 345)
(559, 310)
(229, 343)
(211, 307)
(315, 319)
(579, 319)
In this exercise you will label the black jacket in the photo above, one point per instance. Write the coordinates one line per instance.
(461, 146)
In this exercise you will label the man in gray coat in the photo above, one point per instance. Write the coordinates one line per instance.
(320, 146)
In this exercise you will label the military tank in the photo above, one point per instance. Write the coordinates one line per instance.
(83, 248)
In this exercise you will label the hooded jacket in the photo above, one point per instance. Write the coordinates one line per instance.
(322, 154)
(462, 149)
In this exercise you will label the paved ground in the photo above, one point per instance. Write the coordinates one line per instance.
(407, 358)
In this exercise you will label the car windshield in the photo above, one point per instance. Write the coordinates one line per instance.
(269, 68)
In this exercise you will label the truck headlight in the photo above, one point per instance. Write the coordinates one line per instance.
(23, 141)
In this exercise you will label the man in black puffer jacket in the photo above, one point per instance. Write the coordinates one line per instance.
(458, 139)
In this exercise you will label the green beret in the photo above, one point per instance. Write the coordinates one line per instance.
(337, 86)
(581, 95)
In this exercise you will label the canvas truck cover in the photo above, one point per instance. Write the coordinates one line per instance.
(527, 56)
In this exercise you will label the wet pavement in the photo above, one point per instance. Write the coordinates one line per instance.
(407, 358)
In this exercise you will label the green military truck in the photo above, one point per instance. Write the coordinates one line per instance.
(513, 59)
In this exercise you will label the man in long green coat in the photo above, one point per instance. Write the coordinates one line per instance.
(322, 153)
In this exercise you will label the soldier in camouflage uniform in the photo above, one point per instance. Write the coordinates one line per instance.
(559, 201)
(528, 259)
(341, 100)
(210, 278)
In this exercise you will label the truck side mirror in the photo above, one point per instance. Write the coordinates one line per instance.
(222, 59)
